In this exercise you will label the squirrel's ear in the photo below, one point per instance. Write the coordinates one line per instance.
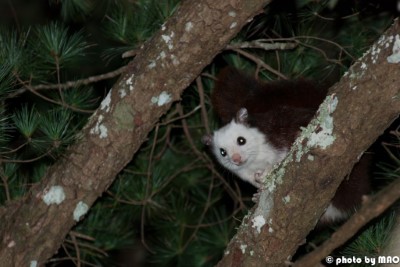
(242, 115)
(207, 139)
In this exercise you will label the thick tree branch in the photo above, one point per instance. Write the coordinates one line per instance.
(372, 208)
(361, 105)
(33, 228)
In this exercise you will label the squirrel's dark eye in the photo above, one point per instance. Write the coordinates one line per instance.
(241, 141)
(223, 152)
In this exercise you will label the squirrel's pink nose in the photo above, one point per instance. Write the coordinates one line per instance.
(236, 158)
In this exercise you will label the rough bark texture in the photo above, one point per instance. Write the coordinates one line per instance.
(31, 231)
(368, 100)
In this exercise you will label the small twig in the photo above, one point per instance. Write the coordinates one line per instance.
(88, 246)
(204, 116)
(130, 53)
(59, 80)
(77, 251)
(181, 116)
(32, 90)
(209, 76)
(203, 214)
(68, 254)
(71, 84)
(263, 44)
(259, 62)
(387, 146)
(14, 150)
(370, 209)
(164, 145)
(82, 236)
(27, 160)
(290, 43)
(218, 222)
(148, 189)
(278, 60)
(326, 41)
(333, 19)
(189, 167)
(323, 53)
(4, 178)
(125, 201)
(187, 133)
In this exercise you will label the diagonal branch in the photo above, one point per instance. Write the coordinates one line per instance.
(360, 107)
(372, 208)
(33, 228)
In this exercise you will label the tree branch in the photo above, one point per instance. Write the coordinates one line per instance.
(371, 208)
(33, 228)
(361, 106)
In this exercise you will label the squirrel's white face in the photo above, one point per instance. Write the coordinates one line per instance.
(242, 149)
(235, 145)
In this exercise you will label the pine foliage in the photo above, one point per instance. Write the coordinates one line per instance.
(172, 205)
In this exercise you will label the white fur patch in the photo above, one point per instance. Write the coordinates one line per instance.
(332, 214)
(256, 154)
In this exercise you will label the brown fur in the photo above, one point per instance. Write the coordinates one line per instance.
(278, 109)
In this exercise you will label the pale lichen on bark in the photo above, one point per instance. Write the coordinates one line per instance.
(54, 195)
(80, 210)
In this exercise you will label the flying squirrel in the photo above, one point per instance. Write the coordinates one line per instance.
(261, 121)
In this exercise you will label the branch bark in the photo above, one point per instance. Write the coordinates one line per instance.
(33, 228)
(361, 105)
(372, 207)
